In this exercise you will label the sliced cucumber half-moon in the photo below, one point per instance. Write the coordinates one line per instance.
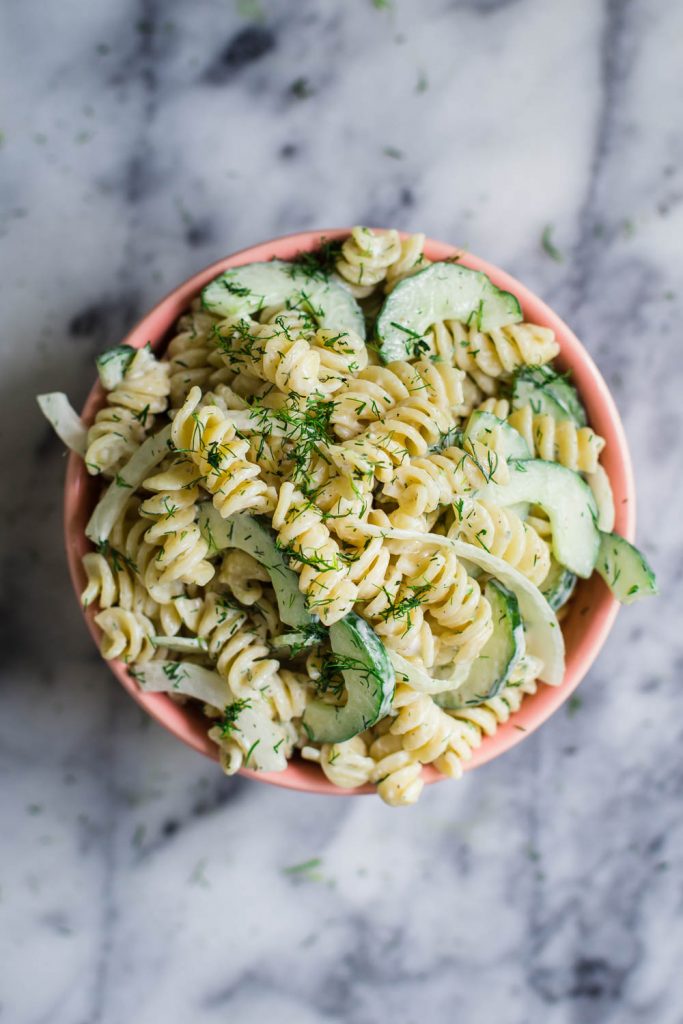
(444, 291)
(242, 291)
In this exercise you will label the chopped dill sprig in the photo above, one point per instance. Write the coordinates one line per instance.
(403, 607)
(307, 868)
(306, 433)
(142, 415)
(175, 671)
(416, 344)
(298, 555)
(318, 264)
(311, 635)
(251, 750)
(241, 291)
(548, 245)
(333, 666)
(117, 558)
(231, 712)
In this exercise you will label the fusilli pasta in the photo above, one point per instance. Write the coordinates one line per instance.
(124, 421)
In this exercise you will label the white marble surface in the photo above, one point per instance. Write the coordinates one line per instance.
(142, 139)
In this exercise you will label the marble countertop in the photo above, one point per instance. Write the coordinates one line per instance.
(142, 140)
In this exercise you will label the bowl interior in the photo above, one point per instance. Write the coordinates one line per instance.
(590, 615)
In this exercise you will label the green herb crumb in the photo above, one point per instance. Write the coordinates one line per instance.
(573, 705)
(548, 245)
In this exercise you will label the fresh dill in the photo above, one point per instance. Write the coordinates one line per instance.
(301, 88)
(417, 344)
(333, 666)
(305, 429)
(141, 416)
(241, 291)
(231, 712)
(307, 868)
(175, 672)
(169, 508)
(405, 605)
(318, 264)
(299, 556)
(251, 750)
(117, 558)
(310, 635)
(548, 245)
(573, 705)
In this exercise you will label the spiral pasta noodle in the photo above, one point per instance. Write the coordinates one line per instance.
(287, 349)
(396, 616)
(191, 354)
(315, 555)
(345, 503)
(397, 773)
(424, 483)
(453, 602)
(425, 730)
(408, 430)
(576, 448)
(365, 259)
(498, 353)
(346, 764)
(126, 634)
(236, 649)
(209, 437)
(174, 509)
(503, 533)
(124, 575)
(124, 421)
(284, 355)
(376, 390)
(400, 620)
(409, 262)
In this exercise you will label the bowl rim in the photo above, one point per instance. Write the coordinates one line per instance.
(603, 417)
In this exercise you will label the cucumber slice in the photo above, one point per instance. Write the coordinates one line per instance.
(558, 586)
(547, 393)
(624, 569)
(604, 499)
(444, 291)
(567, 501)
(255, 536)
(501, 653)
(369, 678)
(484, 426)
(245, 290)
(112, 365)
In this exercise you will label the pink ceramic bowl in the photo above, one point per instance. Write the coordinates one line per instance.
(591, 614)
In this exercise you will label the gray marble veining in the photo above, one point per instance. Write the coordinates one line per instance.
(142, 140)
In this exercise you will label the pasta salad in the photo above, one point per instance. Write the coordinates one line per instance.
(344, 511)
